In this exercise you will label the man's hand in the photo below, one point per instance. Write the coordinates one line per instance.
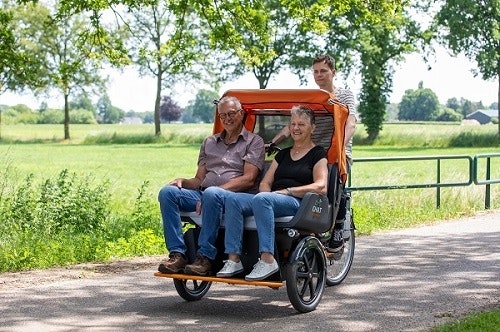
(177, 182)
(271, 148)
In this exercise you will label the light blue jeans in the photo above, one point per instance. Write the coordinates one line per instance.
(172, 201)
(212, 209)
(266, 206)
(238, 206)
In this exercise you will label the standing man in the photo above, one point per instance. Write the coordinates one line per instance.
(324, 72)
(228, 162)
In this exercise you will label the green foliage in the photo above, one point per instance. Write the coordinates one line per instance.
(51, 116)
(479, 39)
(19, 65)
(202, 107)
(83, 102)
(69, 220)
(448, 114)
(369, 41)
(107, 113)
(81, 116)
(419, 105)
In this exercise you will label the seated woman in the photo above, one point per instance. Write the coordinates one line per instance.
(295, 171)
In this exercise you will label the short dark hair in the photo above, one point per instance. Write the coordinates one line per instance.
(304, 110)
(325, 58)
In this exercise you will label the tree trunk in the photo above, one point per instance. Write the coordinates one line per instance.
(66, 117)
(498, 107)
(157, 105)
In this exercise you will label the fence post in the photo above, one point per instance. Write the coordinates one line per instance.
(487, 195)
(438, 188)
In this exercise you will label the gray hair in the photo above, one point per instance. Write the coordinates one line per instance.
(303, 110)
(229, 99)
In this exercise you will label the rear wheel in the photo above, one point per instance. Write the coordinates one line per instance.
(191, 290)
(339, 264)
(305, 277)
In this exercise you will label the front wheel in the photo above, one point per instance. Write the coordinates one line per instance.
(339, 264)
(191, 290)
(305, 276)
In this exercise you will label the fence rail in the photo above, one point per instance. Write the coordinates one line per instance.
(473, 164)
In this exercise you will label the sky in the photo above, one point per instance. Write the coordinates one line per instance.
(448, 77)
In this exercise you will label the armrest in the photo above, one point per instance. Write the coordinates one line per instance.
(313, 215)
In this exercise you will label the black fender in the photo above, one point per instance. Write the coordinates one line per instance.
(306, 243)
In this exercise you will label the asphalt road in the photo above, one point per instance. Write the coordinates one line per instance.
(407, 280)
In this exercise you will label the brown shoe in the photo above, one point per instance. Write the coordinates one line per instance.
(175, 263)
(200, 267)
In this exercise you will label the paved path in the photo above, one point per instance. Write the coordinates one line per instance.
(408, 280)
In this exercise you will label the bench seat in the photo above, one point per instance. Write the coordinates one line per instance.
(249, 221)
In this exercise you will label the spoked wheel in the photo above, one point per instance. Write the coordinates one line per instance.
(339, 264)
(305, 276)
(191, 290)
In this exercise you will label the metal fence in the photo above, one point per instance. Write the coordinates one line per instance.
(475, 168)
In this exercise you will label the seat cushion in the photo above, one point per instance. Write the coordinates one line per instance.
(249, 221)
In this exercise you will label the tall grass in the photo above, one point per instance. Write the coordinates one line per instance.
(435, 135)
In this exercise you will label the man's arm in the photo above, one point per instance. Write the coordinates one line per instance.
(350, 127)
(244, 181)
(193, 183)
(281, 136)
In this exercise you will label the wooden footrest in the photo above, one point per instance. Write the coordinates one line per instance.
(234, 281)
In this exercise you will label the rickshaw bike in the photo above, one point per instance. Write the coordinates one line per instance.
(301, 240)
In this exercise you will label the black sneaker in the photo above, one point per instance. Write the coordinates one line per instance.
(336, 243)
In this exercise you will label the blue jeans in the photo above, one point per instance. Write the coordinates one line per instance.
(212, 209)
(266, 206)
(238, 206)
(172, 201)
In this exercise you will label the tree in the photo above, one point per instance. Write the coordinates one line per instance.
(169, 110)
(379, 42)
(18, 64)
(202, 106)
(166, 39)
(82, 101)
(449, 115)
(265, 39)
(107, 113)
(467, 107)
(472, 28)
(419, 105)
(453, 103)
(68, 60)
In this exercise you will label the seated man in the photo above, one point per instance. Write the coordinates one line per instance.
(228, 161)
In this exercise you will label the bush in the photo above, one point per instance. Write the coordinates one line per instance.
(449, 115)
(52, 116)
(81, 117)
(69, 220)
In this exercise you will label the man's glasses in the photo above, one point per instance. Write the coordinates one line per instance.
(228, 115)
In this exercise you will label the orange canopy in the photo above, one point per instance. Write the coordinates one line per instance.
(280, 101)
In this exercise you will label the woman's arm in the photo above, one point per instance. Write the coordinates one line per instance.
(267, 181)
(319, 186)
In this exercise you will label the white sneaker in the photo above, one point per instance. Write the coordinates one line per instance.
(230, 269)
(262, 270)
